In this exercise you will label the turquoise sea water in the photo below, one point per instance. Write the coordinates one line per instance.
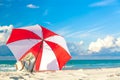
(91, 64)
(8, 65)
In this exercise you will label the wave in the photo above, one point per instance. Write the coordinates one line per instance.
(6, 67)
(70, 66)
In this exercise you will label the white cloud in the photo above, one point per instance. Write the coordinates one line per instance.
(81, 42)
(4, 33)
(32, 6)
(4, 28)
(77, 48)
(102, 3)
(108, 43)
(117, 42)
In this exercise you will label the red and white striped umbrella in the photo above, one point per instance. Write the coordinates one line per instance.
(50, 49)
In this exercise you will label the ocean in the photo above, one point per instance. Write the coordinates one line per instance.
(8, 65)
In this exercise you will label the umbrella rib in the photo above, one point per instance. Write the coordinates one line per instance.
(37, 56)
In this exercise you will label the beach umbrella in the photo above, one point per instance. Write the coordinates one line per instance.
(48, 48)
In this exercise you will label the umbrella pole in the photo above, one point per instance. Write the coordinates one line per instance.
(36, 57)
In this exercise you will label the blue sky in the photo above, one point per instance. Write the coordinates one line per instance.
(90, 27)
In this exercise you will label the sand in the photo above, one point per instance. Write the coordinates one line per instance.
(81, 74)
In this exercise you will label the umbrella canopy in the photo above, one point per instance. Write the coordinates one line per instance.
(48, 48)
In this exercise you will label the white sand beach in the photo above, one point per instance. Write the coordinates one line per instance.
(81, 74)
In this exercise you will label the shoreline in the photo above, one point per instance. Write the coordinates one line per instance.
(80, 74)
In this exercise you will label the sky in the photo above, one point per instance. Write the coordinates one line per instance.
(90, 27)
